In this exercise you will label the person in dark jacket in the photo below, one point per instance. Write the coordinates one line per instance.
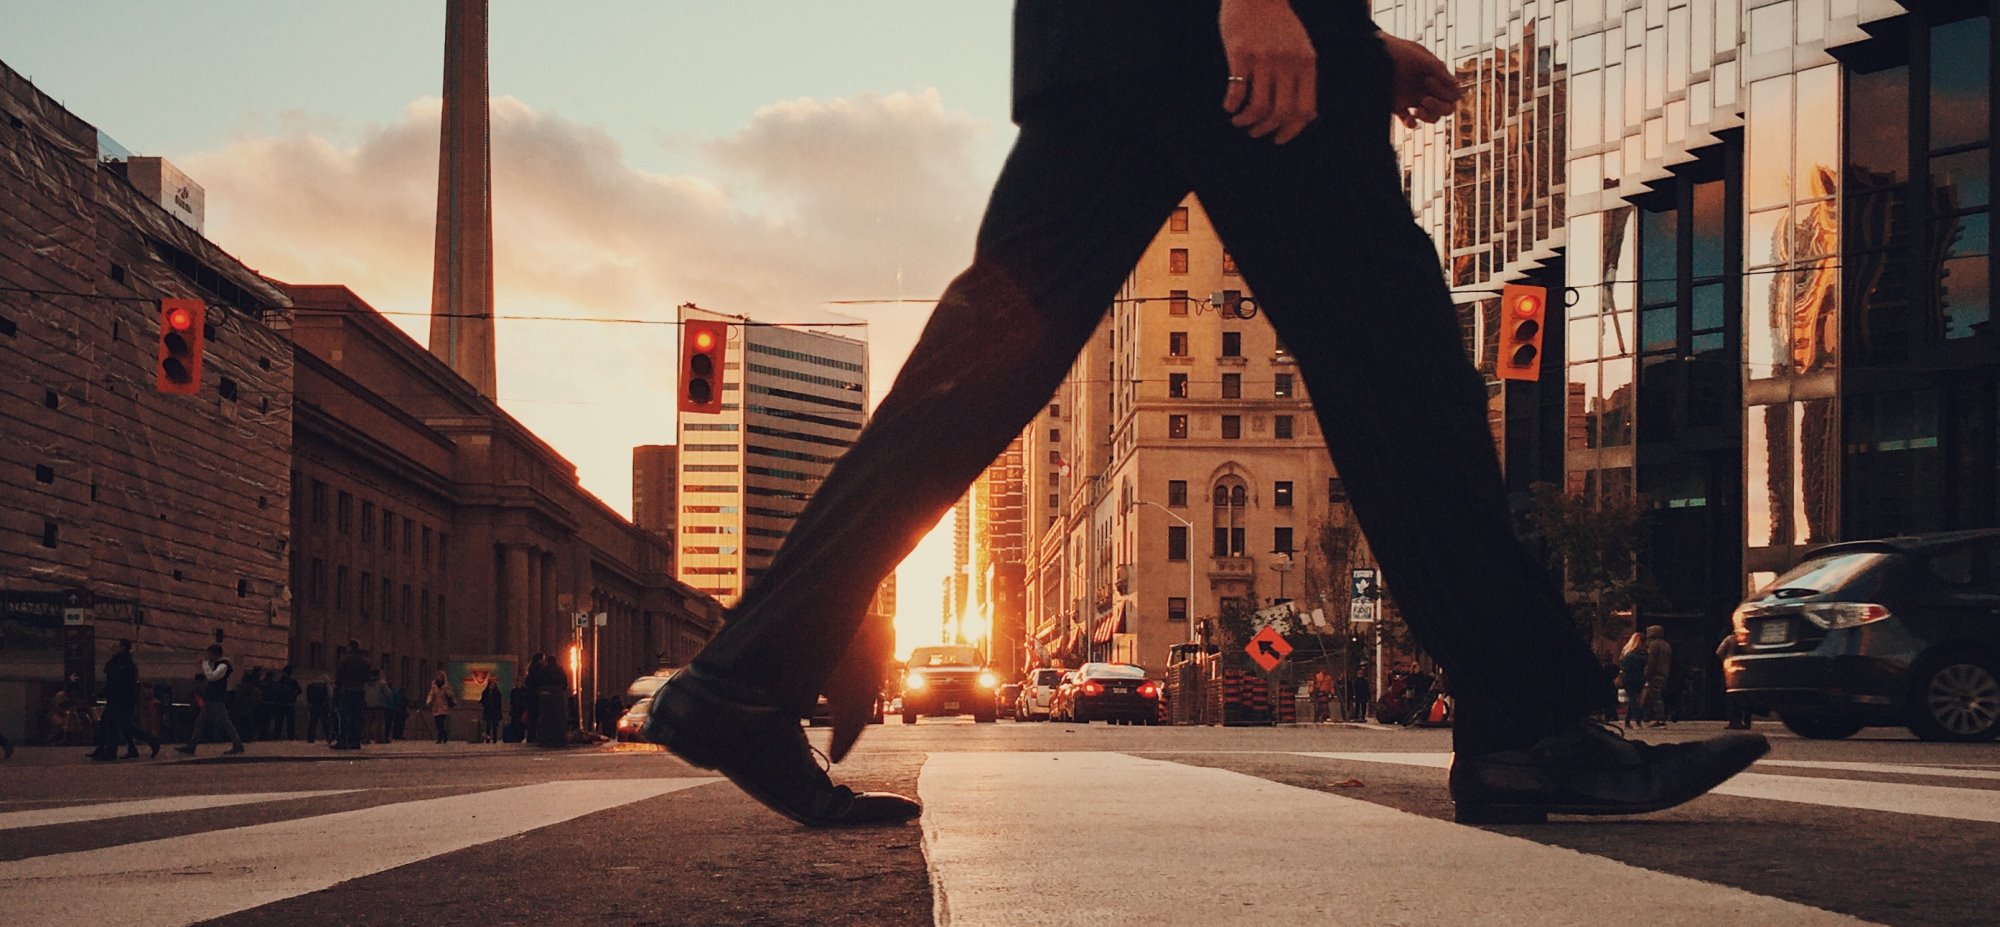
(281, 695)
(121, 702)
(319, 710)
(213, 678)
(350, 693)
(489, 712)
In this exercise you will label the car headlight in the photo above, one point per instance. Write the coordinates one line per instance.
(989, 681)
(913, 682)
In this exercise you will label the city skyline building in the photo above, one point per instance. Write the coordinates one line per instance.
(793, 401)
(655, 488)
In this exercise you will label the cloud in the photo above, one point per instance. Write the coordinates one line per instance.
(809, 200)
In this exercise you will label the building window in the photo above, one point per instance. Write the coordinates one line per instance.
(346, 513)
(1054, 501)
(388, 601)
(388, 530)
(1281, 540)
(1177, 493)
(1232, 386)
(1176, 608)
(1177, 344)
(1055, 410)
(1231, 497)
(409, 538)
(1177, 426)
(319, 502)
(1177, 385)
(340, 588)
(368, 522)
(444, 549)
(1336, 489)
(1228, 263)
(427, 545)
(316, 582)
(1232, 427)
(1177, 261)
(1232, 344)
(1281, 494)
(1177, 542)
(1177, 304)
(1281, 426)
(406, 605)
(1281, 386)
(1055, 457)
(364, 595)
(1055, 435)
(1178, 222)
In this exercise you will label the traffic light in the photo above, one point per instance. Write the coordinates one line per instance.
(179, 370)
(1522, 309)
(702, 345)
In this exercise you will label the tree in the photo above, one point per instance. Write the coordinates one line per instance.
(1596, 550)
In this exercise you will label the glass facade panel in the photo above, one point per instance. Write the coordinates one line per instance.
(1770, 144)
(1818, 121)
(1706, 229)
(1768, 237)
(1878, 146)
(1960, 181)
(1963, 296)
(1617, 402)
(1771, 28)
(1960, 61)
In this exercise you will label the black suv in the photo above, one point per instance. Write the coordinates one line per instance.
(949, 681)
(1894, 631)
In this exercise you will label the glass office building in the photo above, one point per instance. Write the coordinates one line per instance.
(1771, 220)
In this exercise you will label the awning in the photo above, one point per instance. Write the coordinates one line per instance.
(1109, 625)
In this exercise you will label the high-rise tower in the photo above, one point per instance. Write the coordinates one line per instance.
(462, 280)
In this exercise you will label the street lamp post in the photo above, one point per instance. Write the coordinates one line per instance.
(1190, 559)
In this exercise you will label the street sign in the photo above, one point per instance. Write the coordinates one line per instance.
(1268, 648)
(1362, 584)
(603, 618)
(582, 619)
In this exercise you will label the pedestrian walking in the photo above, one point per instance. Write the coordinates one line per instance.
(350, 682)
(1322, 696)
(1274, 114)
(536, 678)
(397, 712)
(376, 699)
(1659, 665)
(489, 712)
(319, 709)
(1632, 675)
(213, 680)
(1735, 704)
(440, 701)
(282, 695)
(247, 704)
(121, 705)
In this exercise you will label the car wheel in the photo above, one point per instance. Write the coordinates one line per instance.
(1956, 697)
(909, 717)
(1815, 726)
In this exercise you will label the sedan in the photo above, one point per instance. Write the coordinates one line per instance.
(1116, 692)
(1899, 631)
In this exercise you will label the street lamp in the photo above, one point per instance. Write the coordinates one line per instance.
(1190, 559)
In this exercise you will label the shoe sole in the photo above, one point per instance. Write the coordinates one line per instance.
(659, 731)
(1507, 813)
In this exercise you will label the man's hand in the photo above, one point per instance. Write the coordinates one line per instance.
(1423, 89)
(1273, 70)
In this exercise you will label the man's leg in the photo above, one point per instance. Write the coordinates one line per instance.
(1323, 234)
(1081, 195)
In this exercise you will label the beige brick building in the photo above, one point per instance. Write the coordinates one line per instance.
(1181, 451)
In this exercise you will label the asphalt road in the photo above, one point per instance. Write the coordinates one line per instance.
(1024, 824)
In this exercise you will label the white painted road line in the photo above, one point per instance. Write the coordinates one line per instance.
(1949, 772)
(1176, 844)
(1894, 797)
(72, 814)
(183, 880)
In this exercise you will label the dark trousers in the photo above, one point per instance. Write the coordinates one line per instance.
(116, 727)
(489, 729)
(442, 723)
(352, 705)
(318, 721)
(1320, 228)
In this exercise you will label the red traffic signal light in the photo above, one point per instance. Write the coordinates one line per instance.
(702, 345)
(182, 322)
(1522, 309)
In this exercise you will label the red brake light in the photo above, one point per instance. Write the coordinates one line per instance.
(1149, 690)
(1093, 688)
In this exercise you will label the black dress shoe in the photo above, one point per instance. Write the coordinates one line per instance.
(1590, 769)
(741, 733)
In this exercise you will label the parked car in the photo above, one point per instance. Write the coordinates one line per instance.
(1897, 631)
(1038, 693)
(1005, 699)
(1059, 703)
(949, 680)
(633, 720)
(1116, 692)
(643, 688)
(821, 716)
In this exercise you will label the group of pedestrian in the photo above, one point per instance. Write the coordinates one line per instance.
(119, 722)
(1644, 666)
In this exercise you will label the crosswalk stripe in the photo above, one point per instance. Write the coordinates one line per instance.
(1002, 835)
(1895, 797)
(183, 880)
(73, 814)
(1951, 772)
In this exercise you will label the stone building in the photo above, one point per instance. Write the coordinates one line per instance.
(125, 513)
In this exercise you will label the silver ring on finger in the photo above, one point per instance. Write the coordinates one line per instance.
(1238, 79)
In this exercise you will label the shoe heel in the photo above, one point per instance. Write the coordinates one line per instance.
(1498, 814)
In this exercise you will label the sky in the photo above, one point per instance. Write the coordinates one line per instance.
(757, 157)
